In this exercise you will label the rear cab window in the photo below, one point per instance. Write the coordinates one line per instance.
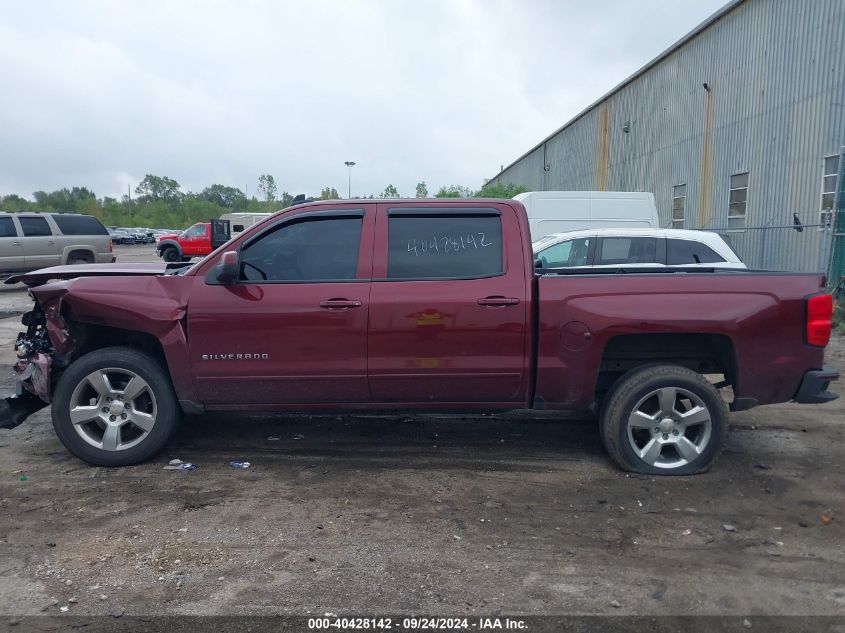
(34, 226)
(681, 252)
(444, 244)
(79, 224)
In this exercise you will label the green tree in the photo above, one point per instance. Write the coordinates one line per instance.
(155, 188)
(453, 191)
(14, 202)
(422, 189)
(496, 190)
(286, 199)
(65, 200)
(329, 193)
(267, 187)
(229, 197)
(390, 192)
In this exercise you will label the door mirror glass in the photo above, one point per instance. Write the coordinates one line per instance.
(228, 270)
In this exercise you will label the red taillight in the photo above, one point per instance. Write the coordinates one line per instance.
(819, 317)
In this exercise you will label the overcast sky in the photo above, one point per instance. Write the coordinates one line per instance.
(99, 93)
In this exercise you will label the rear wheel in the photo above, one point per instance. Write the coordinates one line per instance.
(664, 420)
(170, 254)
(115, 407)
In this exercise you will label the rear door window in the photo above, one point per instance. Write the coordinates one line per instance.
(680, 252)
(33, 227)
(7, 228)
(444, 246)
(79, 225)
(627, 250)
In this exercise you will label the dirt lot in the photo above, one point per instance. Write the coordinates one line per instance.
(424, 514)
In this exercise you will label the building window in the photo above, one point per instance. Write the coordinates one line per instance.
(830, 178)
(738, 202)
(679, 203)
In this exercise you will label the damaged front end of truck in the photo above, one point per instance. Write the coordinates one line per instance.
(37, 355)
(51, 340)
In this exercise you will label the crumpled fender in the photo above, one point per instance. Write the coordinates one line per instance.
(155, 305)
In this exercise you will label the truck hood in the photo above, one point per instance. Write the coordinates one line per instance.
(88, 270)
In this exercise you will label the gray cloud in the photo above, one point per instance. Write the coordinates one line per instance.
(98, 94)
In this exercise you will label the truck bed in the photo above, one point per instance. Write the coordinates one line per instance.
(743, 324)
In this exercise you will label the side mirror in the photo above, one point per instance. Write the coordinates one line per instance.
(228, 269)
(538, 263)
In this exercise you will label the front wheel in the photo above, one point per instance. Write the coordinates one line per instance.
(115, 407)
(170, 254)
(664, 420)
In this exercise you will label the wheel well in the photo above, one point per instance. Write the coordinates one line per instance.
(702, 353)
(81, 251)
(89, 337)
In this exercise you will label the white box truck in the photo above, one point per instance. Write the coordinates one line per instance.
(242, 221)
(557, 211)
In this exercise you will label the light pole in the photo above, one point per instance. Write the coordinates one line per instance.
(349, 163)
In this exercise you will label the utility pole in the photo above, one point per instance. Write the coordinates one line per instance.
(350, 164)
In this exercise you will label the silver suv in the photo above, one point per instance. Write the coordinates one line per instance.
(29, 241)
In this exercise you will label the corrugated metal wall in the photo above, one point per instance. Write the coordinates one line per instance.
(775, 108)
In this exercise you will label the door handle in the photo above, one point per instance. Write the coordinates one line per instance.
(50, 243)
(16, 243)
(498, 301)
(339, 304)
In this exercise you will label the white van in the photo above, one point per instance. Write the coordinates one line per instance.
(557, 211)
(240, 222)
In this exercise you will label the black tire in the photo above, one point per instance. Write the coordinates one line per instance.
(80, 257)
(651, 382)
(170, 254)
(159, 393)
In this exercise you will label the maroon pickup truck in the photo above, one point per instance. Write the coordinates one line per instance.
(413, 305)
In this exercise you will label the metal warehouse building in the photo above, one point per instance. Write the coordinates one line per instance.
(735, 128)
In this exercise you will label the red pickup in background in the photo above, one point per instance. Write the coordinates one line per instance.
(198, 240)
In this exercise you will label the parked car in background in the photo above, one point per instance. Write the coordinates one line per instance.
(634, 248)
(29, 241)
(555, 211)
(119, 236)
(148, 235)
(138, 237)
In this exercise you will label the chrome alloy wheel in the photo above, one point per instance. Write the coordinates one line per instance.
(113, 409)
(669, 427)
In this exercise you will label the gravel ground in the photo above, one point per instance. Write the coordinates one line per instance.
(427, 514)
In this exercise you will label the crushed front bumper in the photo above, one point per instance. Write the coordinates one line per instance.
(15, 409)
(813, 389)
